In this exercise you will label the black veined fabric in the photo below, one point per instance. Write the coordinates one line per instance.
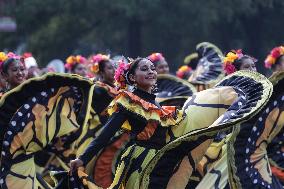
(172, 90)
(33, 115)
(247, 151)
(209, 68)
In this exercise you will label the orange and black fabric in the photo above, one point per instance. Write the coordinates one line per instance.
(248, 162)
(65, 148)
(33, 115)
(71, 145)
(275, 149)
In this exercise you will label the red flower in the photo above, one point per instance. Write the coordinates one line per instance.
(275, 52)
(27, 55)
(229, 68)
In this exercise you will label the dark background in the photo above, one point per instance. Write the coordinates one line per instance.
(57, 28)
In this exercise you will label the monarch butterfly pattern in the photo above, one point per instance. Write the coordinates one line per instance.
(36, 118)
(247, 152)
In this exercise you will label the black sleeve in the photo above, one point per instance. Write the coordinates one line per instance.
(101, 99)
(110, 128)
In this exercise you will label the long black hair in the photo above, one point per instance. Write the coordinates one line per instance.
(102, 65)
(277, 62)
(238, 63)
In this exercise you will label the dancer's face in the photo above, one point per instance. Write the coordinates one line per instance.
(16, 74)
(162, 67)
(248, 64)
(145, 75)
(81, 70)
(108, 72)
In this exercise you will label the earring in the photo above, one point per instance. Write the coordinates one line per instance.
(154, 88)
(7, 87)
(134, 85)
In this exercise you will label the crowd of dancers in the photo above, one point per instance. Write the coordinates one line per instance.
(115, 122)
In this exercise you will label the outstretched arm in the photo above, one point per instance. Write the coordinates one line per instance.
(111, 127)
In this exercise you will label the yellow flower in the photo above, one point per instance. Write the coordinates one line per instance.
(70, 60)
(183, 68)
(230, 57)
(3, 57)
(282, 50)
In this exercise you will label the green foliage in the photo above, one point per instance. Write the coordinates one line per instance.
(56, 29)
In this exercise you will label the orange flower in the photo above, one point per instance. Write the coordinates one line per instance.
(70, 59)
(95, 68)
(273, 56)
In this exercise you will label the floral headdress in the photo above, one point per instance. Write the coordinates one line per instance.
(182, 71)
(156, 57)
(230, 58)
(273, 56)
(96, 60)
(73, 60)
(120, 75)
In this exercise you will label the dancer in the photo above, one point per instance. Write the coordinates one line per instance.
(162, 136)
(160, 63)
(275, 60)
(235, 60)
(76, 65)
(13, 70)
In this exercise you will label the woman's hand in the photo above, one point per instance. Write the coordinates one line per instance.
(75, 164)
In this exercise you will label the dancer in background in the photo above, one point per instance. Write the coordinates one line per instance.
(76, 65)
(235, 60)
(13, 70)
(161, 65)
(31, 65)
(275, 60)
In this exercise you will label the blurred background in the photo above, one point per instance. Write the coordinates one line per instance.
(58, 28)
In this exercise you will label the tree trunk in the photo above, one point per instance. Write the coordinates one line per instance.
(134, 37)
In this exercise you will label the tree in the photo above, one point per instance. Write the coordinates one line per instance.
(55, 29)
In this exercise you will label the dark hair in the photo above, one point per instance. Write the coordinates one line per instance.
(238, 63)
(7, 63)
(132, 69)
(74, 67)
(102, 65)
(277, 62)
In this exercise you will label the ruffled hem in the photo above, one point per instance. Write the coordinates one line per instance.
(166, 116)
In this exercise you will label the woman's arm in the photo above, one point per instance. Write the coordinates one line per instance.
(111, 127)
